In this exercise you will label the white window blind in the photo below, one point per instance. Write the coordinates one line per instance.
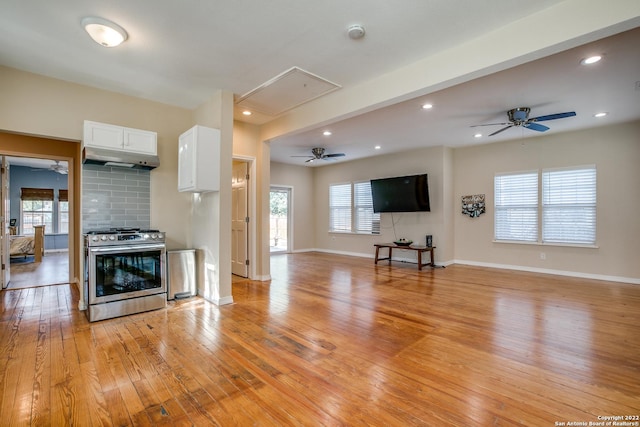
(516, 207)
(366, 221)
(340, 207)
(569, 205)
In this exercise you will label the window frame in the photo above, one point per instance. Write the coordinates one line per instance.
(41, 212)
(541, 211)
(355, 222)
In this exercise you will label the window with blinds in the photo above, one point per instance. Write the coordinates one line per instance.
(366, 221)
(36, 208)
(340, 207)
(566, 208)
(569, 205)
(516, 207)
(351, 208)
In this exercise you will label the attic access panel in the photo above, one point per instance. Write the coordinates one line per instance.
(285, 91)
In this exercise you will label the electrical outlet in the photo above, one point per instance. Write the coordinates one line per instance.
(543, 255)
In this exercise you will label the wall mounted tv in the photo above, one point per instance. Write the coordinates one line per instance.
(401, 194)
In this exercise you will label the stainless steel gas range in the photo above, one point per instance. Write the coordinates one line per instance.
(125, 272)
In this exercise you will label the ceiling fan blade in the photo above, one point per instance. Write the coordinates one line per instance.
(491, 124)
(310, 160)
(553, 116)
(334, 155)
(537, 127)
(501, 130)
(302, 156)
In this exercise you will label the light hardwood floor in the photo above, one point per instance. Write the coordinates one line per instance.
(52, 270)
(332, 340)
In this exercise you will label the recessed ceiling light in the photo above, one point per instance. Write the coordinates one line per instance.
(602, 114)
(377, 147)
(103, 32)
(327, 133)
(427, 106)
(477, 135)
(591, 60)
(246, 112)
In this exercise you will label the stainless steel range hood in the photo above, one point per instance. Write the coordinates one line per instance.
(102, 156)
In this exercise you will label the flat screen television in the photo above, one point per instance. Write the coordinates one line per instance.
(401, 194)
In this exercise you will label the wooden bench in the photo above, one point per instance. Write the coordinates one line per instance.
(419, 249)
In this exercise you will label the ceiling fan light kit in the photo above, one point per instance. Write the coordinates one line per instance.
(519, 117)
(318, 153)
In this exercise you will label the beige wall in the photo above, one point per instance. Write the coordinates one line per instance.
(248, 145)
(411, 225)
(303, 215)
(615, 150)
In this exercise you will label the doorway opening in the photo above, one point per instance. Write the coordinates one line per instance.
(35, 204)
(280, 220)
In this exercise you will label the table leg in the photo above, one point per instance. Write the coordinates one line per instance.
(419, 260)
(377, 252)
(389, 255)
(433, 264)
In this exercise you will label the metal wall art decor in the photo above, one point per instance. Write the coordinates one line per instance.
(473, 205)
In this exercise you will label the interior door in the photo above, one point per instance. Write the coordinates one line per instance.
(239, 220)
(4, 229)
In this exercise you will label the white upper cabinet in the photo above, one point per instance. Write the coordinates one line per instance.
(199, 160)
(120, 138)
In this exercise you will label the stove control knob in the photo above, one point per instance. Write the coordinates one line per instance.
(145, 237)
(154, 236)
(95, 239)
(103, 238)
(112, 237)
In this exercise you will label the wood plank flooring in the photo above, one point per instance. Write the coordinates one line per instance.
(332, 340)
(52, 270)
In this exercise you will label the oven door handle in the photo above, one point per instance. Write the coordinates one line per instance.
(111, 249)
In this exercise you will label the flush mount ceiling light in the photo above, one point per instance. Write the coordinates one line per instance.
(327, 133)
(103, 32)
(427, 106)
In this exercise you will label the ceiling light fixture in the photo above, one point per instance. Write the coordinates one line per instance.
(103, 32)
(591, 60)
(377, 147)
(600, 114)
(427, 106)
(477, 135)
(327, 133)
(246, 112)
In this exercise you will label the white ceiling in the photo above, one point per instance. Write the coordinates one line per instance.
(180, 53)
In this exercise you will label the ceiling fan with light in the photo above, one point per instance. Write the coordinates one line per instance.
(56, 167)
(318, 153)
(519, 117)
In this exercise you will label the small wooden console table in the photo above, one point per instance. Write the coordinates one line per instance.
(418, 249)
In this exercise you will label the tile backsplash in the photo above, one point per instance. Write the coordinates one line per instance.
(115, 197)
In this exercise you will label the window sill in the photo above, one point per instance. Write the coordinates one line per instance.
(353, 233)
(566, 245)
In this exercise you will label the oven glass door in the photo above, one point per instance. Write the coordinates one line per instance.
(126, 272)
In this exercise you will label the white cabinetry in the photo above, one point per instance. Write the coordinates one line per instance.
(199, 160)
(120, 138)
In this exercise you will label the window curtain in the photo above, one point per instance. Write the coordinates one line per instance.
(63, 195)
